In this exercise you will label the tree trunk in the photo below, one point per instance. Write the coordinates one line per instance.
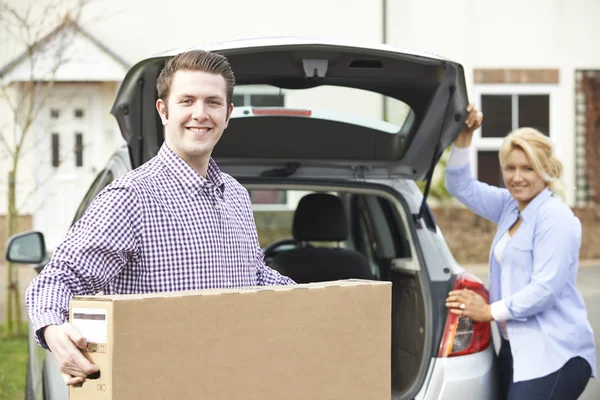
(13, 303)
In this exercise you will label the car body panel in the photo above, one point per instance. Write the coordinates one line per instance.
(469, 377)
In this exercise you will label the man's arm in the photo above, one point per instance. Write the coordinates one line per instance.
(96, 248)
(268, 276)
(94, 251)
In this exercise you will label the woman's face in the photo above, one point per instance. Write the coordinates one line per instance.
(520, 178)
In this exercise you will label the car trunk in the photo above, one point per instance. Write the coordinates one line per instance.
(277, 148)
(380, 228)
(433, 88)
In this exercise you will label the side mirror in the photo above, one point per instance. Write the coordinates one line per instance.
(26, 248)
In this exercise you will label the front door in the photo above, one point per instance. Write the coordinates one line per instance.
(65, 138)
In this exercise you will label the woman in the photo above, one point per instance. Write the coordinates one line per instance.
(547, 349)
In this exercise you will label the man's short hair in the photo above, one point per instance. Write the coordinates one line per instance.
(195, 60)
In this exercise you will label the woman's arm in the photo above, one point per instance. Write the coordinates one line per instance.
(483, 199)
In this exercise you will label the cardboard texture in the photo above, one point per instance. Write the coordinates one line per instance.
(328, 340)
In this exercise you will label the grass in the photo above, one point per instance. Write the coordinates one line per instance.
(13, 366)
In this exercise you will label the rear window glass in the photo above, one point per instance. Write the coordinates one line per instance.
(356, 102)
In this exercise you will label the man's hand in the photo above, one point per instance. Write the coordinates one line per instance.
(473, 122)
(467, 303)
(65, 343)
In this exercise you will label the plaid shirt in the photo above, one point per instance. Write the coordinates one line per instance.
(159, 228)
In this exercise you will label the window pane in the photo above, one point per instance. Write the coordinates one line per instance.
(488, 168)
(78, 149)
(78, 113)
(266, 100)
(331, 98)
(54, 113)
(55, 149)
(497, 111)
(268, 196)
(238, 100)
(534, 111)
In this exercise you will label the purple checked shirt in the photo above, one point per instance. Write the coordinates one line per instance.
(160, 228)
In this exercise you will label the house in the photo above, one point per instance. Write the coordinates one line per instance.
(526, 63)
(71, 135)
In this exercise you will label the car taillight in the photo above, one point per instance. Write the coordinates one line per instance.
(463, 335)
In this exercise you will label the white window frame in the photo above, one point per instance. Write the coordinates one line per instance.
(493, 144)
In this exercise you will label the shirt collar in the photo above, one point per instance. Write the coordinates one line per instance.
(531, 208)
(186, 175)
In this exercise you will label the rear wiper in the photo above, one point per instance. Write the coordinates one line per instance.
(289, 170)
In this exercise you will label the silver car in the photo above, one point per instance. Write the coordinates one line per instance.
(335, 193)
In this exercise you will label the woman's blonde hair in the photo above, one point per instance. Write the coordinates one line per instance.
(540, 152)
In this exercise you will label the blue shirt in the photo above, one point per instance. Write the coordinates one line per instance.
(536, 280)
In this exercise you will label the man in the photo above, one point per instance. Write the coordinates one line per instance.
(175, 223)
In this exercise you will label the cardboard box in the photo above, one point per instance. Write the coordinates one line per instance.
(328, 340)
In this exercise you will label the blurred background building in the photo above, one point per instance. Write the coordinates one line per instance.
(532, 63)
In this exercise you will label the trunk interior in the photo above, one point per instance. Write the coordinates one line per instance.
(314, 233)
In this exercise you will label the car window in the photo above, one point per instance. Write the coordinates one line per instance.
(104, 178)
(336, 99)
(377, 229)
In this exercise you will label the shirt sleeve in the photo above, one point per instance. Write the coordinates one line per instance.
(268, 276)
(556, 245)
(459, 156)
(483, 199)
(93, 252)
(500, 311)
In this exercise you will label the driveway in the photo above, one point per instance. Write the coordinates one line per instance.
(588, 282)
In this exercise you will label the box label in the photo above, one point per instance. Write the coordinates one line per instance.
(92, 323)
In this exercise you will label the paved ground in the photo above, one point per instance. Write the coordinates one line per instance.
(588, 282)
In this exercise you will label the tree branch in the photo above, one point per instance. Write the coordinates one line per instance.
(13, 107)
(6, 145)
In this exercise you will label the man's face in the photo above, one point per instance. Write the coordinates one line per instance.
(197, 114)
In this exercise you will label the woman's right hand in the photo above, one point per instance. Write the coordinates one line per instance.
(472, 123)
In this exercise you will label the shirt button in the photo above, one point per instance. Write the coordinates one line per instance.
(228, 283)
(217, 206)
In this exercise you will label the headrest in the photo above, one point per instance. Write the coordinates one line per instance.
(320, 217)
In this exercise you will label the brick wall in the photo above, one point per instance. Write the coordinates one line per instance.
(470, 236)
(25, 224)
